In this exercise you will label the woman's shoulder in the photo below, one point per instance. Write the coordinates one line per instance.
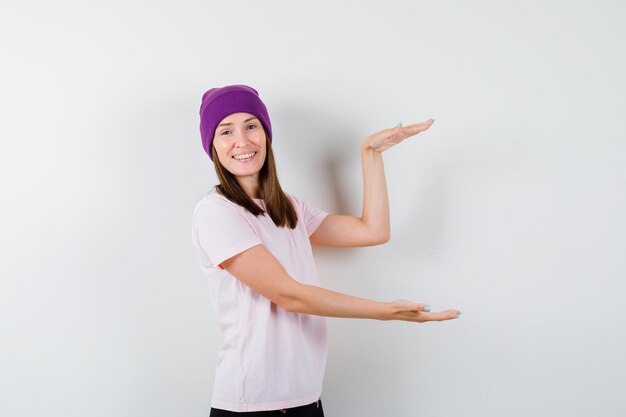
(294, 200)
(213, 200)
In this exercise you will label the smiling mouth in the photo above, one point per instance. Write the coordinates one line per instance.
(244, 157)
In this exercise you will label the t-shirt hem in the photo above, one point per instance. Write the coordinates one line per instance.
(236, 249)
(243, 407)
(315, 223)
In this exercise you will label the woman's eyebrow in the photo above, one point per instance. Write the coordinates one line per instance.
(245, 121)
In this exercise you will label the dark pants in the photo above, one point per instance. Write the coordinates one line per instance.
(312, 410)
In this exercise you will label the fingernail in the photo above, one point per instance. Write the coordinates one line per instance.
(427, 308)
(399, 124)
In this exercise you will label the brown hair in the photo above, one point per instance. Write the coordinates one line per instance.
(278, 205)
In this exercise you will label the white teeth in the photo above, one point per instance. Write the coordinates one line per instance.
(244, 156)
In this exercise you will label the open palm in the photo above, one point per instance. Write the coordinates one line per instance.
(386, 138)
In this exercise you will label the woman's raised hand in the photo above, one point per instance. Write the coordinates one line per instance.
(409, 311)
(386, 138)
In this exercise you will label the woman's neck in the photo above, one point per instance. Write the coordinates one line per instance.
(250, 186)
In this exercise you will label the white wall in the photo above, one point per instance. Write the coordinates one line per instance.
(510, 208)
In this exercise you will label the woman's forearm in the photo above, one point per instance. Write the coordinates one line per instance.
(319, 301)
(375, 200)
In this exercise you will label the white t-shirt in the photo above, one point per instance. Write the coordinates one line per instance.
(270, 358)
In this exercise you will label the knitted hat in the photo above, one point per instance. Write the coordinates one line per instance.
(217, 103)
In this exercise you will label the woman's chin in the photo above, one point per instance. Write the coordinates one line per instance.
(245, 169)
(245, 172)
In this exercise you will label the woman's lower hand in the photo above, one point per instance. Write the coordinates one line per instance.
(410, 311)
(386, 138)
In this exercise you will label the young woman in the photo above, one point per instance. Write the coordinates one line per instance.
(254, 243)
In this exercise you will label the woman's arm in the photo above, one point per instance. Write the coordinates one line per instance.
(375, 215)
(260, 270)
(373, 227)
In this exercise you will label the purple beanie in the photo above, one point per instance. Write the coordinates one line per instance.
(217, 103)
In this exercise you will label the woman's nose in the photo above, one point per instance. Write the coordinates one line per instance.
(241, 138)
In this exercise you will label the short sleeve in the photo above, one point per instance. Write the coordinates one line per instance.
(312, 216)
(221, 231)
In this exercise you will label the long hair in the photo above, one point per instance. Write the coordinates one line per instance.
(278, 205)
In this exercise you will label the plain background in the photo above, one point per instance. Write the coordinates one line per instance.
(510, 208)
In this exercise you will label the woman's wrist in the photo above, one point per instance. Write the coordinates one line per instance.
(365, 146)
(368, 151)
(386, 311)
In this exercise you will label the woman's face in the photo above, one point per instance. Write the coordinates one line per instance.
(240, 144)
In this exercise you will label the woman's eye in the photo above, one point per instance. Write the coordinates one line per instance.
(252, 125)
(224, 132)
